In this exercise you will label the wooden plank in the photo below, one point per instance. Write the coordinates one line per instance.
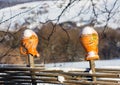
(31, 65)
(92, 67)
(107, 69)
(20, 69)
(20, 65)
(9, 78)
(29, 74)
(94, 74)
(21, 74)
(73, 82)
(109, 80)
(27, 82)
(104, 75)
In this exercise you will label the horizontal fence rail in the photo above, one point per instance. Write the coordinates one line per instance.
(23, 75)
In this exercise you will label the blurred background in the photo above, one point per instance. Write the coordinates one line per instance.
(58, 24)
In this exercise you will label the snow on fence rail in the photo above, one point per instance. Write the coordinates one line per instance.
(22, 75)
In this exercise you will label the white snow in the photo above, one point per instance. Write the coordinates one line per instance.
(88, 30)
(28, 33)
(61, 79)
(42, 11)
(84, 64)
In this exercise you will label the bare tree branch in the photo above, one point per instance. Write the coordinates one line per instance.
(93, 8)
(58, 18)
(19, 14)
(109, 15)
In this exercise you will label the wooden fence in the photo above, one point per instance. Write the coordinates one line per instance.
(23, 75)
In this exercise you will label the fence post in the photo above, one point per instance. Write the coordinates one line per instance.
(31, 65)
(92, 67)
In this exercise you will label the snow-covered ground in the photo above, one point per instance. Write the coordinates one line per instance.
(42, 11)
(115, 63)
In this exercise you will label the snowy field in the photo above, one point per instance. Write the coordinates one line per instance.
(84, 64)
(42, 11)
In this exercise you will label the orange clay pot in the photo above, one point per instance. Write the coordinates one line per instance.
(29, 45)
(90, 44)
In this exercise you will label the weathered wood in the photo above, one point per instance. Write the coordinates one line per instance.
(65, 73)
(93, 74)
(28, 78)
(109, 80)
(73, 82)
(31, 65)
(17, 74)
(31, 61)
(20, 69)
(27, 82)
(29, 74)
(92, 67)
(20, 65)
(107, 69)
